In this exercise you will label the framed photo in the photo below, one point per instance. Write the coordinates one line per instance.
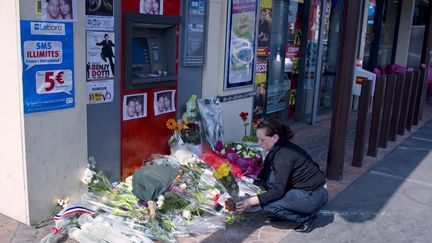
(241, 43)
(164, 102)
(134, 106)
(59, 10)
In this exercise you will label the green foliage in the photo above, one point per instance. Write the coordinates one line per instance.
(235, 218)
(99, 183)
(173, 202)
(250, 138)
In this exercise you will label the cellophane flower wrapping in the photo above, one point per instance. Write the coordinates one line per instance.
(201, 198)
(211, 118)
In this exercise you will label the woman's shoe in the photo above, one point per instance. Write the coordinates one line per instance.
(306, 226)
(270, 219)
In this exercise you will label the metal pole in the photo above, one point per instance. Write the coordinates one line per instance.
(362, 124)
(343, 89)
(397, 103)
(387, 110)
(377, 111)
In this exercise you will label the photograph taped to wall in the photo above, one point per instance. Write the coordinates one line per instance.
(59, 10)
(151, 7)
(164, 102)
(134, 106)
(100, 55)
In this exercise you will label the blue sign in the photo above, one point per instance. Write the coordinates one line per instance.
(48, 64)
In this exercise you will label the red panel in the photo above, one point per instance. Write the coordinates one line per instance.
(146, 136)
(140, 138)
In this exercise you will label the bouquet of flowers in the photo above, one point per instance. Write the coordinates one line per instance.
(223, 175)
(176, 128)
(249, 159)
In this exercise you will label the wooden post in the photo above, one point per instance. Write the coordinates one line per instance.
(418, 97)
(423, 93)
(397, 103)
(412, 100)
(362, 124)
(405, 103)
(349, 34)
(387, 110)
(377, 107)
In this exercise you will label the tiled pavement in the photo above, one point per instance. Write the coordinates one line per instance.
(313, 139)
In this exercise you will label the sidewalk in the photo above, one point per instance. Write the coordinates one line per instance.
(392, 202)
(313, 139)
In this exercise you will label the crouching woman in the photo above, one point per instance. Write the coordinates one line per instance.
(293, 182)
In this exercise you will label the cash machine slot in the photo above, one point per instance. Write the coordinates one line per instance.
(150, 50)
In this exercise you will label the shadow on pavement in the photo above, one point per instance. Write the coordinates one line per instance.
(363, 199)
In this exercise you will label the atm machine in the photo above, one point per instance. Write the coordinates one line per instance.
(149, 67)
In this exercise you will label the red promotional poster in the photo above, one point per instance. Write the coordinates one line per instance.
(292, 51)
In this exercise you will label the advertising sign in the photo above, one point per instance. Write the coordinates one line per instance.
(48, 64)
(100, 91)
(99, 15)
(194, 34)
(100, 55)
(240, 57)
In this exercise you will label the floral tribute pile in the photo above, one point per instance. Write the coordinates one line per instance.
(201, 197)
(192, 191)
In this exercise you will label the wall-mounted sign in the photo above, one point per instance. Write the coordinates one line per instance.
(241, 37)
(99, 15)
(48, 64)
(100, 91)
(194, 33)
(100, 55)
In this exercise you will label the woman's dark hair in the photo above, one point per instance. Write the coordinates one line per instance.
(272, 126)
(69, 2)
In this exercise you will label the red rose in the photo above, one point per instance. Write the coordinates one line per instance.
(244, 115)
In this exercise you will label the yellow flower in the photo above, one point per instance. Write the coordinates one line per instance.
(171, 124)
(185, 120)
(178, 127)
(223, 170)
(217, 175)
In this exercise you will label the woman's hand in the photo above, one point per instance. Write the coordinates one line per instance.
(245, 204)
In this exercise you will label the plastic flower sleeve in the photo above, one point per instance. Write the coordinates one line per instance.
(211, 118)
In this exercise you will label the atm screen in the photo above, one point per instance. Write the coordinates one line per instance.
(140, 55)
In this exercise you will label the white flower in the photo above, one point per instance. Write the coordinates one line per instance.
(186, 214)
(159, 204)
(245, 155)
(96, 181)
(161, 198)
(183, 186)
(223, 151)
(239, 147)
(88, 176)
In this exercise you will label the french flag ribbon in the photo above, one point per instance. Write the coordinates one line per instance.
(72, 210)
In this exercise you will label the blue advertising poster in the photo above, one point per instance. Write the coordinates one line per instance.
(48, 64)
